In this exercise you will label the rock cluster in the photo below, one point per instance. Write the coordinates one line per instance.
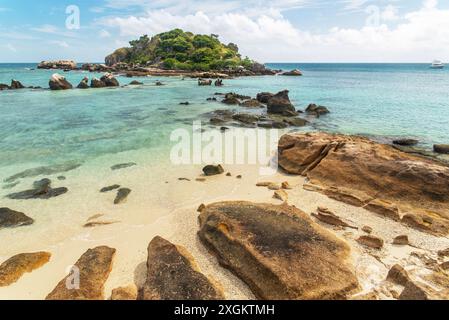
(60, 64)
(363, 173)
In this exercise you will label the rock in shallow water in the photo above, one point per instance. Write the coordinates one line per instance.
(172, 274)
(94, 267)
(123, 166)
(280, 104)
(441, 148)
(11, 219)
(42, 190)
(122, 195)
(278, 251)
(15, 267)
(58, 82)
(212, 170)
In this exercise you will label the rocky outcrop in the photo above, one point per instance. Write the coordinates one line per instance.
(441, 148)
(367, 174)
(212, 170)
(294, 73)
(172, 274)
(278, 251)
(58, 82)
(327, 216)
(16, 85)
(280, 104)
(15, 267)
(84, 84)
(60, 64)
(94, 267)
(118, 56)
(12, 219)
(109, 80)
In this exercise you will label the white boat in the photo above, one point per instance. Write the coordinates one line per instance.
(437, 64)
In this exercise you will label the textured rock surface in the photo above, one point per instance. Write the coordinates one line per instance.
(94, 267)
(277, 250)
(172, 274)
(371, 241)
(15, 267)
(58, 82)
(124, 293)
(280, 104)
(11, 219)
(378, 177)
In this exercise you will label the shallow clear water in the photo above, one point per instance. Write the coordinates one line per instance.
(41, 127)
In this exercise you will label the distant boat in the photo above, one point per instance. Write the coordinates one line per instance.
(437, 64)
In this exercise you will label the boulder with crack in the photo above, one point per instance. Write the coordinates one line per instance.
(278, 251)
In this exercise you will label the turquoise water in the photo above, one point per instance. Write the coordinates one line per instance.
(45, 127)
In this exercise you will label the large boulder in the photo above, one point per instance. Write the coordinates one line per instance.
(172, 274)
(58, 82)
(15, 267)
(94, 267)
(278, 251)
(84, 84)
(60, 64)
(97, 83)
(11, 219)
(280, 104)
(15, 84)
(109, 80)
(367, 174)
(263, 97)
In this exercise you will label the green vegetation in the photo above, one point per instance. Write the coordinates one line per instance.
(181, 50)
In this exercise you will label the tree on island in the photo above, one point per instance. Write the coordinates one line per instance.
(180, 50)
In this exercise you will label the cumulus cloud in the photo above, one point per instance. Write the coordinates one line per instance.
(421, 35)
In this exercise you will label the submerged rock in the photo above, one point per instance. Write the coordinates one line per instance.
(94, 267)
(212, 170)
(122, 195)
(405, 142)
(15, 267)
(360, 172)
(47, 170)
(123, 166)
(110, 188)
(42, 190)
(295, 73)
(278, 251)
(280, 104)
(172, 274)
(12, 219)
(135, 83)
(317, 110)
(58, 82)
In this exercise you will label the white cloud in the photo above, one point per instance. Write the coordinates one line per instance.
(104, 34)
(421, 35)
(60, 43)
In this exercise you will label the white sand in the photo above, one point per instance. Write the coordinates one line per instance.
(167, 207)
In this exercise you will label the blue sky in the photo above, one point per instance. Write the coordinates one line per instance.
(282, 30)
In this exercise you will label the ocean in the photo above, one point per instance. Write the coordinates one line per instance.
(41, 127)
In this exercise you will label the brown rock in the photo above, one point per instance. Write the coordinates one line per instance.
(11, 219)
(327, 216)
(445, 265)
(172, 274)
(264, 97)
(15, 267)
(201, 208)
(94, 267)
(264, 184)
(295, 73)
(252, 103)
(375, 176)
(278, 251)
(58, 82)
(124, 293)
(398, 275)
(281, 195)
(367, 229)
(317, 110)
(274, 186)
(415, 291)
(443, 253)
(285, 185)
(371, 241)
(401, 240)
(122, 195)
(405, 142)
